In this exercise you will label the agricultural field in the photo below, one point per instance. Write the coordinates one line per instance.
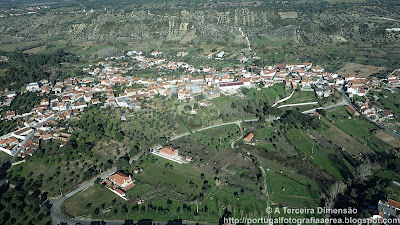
(172, 198)
(301, 97)
(94, 199)
(360, 70)
(270, 94)
(324, 158)
(359, 128)
(388, 138)
(53, 175)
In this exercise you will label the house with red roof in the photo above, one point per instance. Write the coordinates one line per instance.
(248, 137)
(169, 152)
(119, 183)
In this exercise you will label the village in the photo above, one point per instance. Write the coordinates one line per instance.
(75, 94)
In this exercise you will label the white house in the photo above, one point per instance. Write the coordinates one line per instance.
(34, 86)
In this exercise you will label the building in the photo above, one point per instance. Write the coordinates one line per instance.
(119, 183)
(388, 210)
(34, 86)
(169, 152)
(230, 85)
(351, 110)
(120, 179)
(248, 137)
(387, 114)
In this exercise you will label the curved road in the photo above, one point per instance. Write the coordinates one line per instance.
(283, 99)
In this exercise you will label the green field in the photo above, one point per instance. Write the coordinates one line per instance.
(325, 159)
(270, 94)
(218, 138)
(88, 200)
(358, 128)
(301, 97)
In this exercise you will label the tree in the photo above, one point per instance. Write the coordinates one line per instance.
(96, 211)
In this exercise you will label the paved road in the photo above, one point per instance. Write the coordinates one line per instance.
(342, 103)
(213, 126)
(90, 183)
(390, 131)
(297, 104)
(222, 124)
(283, 99)
(31, 134)
(56, 213)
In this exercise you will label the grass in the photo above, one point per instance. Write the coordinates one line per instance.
(16, 46)
(97, 196)
(344, 140)
(324, 158)
(358, 128)
(270, 94)
(158, 175)
(212, 137)
(53, 173)
(156, 179)
(301, 191)
(263, 134)
(300, 97)
(32, 216)
(279, 56)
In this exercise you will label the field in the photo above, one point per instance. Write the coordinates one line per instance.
(386, 137)
(359, 69)
(218, 138)
(271, 94)
(288, 15)
(36, 49)
(301, 97)
(16, 46)
(166, 198)
(345, 141)
(324, 158)
(289, 188)
(358, 128)
(89, 199)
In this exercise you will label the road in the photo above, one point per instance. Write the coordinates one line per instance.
(56, 213)
(213, 126)
(245, 37)
(59, 218)
(220, 125)
(342, 103)
(283, 99)
(30, 135)
(297, 104)
(349, 102)
(267, 198)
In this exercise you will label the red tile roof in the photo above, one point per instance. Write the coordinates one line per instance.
(119, 178)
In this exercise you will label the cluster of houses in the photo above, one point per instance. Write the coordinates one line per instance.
(362, 86)
(74, 94)
(211, 81)
(389, 212)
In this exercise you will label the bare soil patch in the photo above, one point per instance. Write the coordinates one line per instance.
(359, 69)
(388, 138)
(35, 50)
(288, 15)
